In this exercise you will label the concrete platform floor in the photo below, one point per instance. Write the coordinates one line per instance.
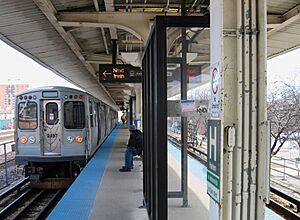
(198, 199)
(120, 194)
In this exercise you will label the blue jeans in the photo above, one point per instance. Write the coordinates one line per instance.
(130, 151)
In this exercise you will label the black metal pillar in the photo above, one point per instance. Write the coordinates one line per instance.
(155, 175)
(114, 51)
(160, 121)
(184, 130)
(131, 110)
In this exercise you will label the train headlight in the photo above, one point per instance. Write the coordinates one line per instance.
(23, 139)
(79, 139)
(70, 139)
(31, 140)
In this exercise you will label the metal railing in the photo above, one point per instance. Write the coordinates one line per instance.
(6, 135)
(5, 145)
(286, 167)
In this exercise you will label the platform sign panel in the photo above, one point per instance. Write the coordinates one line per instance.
(109, 73)
(215, 73)
(193, 74)
(214, 159)
(188, 106)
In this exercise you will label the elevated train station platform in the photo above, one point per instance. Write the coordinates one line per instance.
(222, 46)
(101, 191)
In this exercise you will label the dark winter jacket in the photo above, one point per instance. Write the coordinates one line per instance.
(136, 141)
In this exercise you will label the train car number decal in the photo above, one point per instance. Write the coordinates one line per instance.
(52, 135)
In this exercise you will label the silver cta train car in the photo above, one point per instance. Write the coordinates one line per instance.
(58, 129)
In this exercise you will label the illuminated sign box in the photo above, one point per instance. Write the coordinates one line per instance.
(109, 73)
(193, 74)
(50, 94)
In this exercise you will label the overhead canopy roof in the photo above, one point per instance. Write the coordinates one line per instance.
(73, 37)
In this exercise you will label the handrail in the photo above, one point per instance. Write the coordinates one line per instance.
(281, 158)
(4, 144)
(279, 171)
(282, 165)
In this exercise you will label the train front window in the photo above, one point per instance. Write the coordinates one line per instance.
(74, 115)
(51, 113)
(27, 118)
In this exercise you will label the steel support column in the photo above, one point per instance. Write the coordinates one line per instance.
(138, 101)
(238, 46)
(131, 110)
(184, 130)
(155, 115)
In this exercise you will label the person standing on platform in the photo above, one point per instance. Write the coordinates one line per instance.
(134, 147)
(123, 118)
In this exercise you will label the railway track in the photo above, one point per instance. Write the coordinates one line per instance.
(287, 213)
(24, 202)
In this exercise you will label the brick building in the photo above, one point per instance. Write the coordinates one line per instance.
(8, 93)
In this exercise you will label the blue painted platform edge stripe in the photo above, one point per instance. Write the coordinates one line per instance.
(199, 171)
(78, 201)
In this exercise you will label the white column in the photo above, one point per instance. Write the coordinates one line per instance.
(138, 101)
(238, 46)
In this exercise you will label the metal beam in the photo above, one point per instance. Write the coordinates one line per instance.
(50, 12)
(273, 20)
(97, 58)
(109, 6)
(134, 23)
(287, 18)
(104, 40)
(157, 5)
(96, 4)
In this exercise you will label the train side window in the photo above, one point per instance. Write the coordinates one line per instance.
(74, 115)
(27, 115)
(51, 113)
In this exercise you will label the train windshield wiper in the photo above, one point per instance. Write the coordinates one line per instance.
(23, 107)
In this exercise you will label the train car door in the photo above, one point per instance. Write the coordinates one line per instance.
(51, 127)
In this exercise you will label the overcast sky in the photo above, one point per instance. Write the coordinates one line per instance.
(17, 68)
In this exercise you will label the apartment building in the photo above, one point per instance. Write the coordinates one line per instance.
(8, 93)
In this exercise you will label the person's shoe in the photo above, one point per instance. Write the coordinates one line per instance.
(125, 169)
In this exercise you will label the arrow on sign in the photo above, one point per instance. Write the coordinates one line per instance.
(106, 73)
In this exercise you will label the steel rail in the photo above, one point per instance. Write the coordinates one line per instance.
(15, 187)
(37, 206)
(20, 213)
(286, 213)
(43, 212)
(7, 209)
(286, 197)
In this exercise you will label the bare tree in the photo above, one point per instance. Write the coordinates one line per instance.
(296, 138)
(284, 114)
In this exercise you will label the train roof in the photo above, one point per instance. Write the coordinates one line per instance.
(46, 88)
(59, 88)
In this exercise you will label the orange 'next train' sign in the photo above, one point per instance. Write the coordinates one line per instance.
(109, 73)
